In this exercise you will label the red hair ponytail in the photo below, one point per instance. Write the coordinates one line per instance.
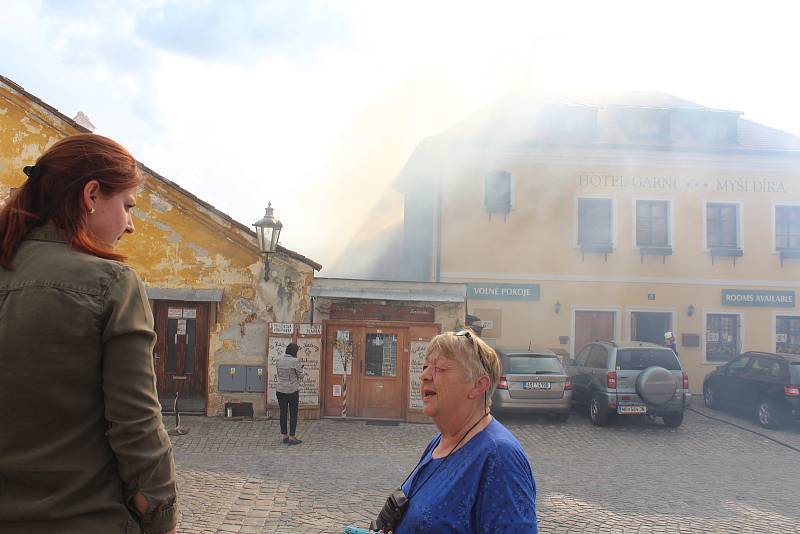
(54, 189)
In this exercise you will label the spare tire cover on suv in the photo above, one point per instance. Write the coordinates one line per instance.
(656, 385)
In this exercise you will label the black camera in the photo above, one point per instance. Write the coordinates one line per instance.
(392, 512)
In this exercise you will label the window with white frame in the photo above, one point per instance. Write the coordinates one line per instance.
(652, 223)
(787, 334)
(595, 221)
(722, 337)
(787, 227)
(722, 225)
(497, 192)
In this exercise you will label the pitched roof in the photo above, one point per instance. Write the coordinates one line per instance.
(72, 123)
(517, 118)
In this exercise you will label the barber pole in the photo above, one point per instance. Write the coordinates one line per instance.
(344, 394)
(344, 349)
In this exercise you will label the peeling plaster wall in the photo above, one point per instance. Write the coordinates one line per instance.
(180, 243)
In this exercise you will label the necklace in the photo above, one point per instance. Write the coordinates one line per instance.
(440, 464)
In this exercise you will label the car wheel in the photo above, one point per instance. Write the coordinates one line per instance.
(597, 414)
(767, 414)
(561, 417)
(673, 420)
(710, 397)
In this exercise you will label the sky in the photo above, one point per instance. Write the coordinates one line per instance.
(315, 106)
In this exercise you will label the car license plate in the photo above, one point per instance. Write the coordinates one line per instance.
(536, 385)
(623, 410)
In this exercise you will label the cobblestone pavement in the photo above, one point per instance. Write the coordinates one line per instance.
(635, 476)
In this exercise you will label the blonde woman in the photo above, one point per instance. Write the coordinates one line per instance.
(474, 475)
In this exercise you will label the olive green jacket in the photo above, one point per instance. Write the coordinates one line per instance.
(80, 422)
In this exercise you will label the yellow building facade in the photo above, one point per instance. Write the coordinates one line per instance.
(614, 219)
(203, 271)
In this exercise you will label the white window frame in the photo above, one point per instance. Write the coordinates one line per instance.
(511, 187)
(704, 328)
(739, 226)
(773, 222)
(629, 311)
(576, 218)
(775, 327)
(670, 225)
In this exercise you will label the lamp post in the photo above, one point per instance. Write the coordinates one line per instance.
(268, 231)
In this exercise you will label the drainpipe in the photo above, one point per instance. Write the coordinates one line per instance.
(438, 260)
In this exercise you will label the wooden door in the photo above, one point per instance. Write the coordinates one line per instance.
(593, 326)
(181, 353)
(381, 369)
(340, 392)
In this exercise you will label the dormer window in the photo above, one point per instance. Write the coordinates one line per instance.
(568, 123)
(497, 192)
(705, 126)
(644, 124)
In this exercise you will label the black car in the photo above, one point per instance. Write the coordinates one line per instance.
(762, 383)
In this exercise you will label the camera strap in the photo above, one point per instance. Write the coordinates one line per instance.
(440, 464)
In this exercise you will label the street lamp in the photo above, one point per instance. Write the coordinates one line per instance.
(268, 231)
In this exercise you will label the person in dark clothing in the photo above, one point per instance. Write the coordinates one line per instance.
(289, 373)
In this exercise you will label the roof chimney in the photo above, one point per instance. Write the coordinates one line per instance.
(82, 119)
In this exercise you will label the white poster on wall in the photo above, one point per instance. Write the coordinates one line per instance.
(310, 349)
(277, 348)
(310, 329)
(343, 353)
(414, 370)
(309, 355)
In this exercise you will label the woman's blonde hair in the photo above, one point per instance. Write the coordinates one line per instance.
(471, 352)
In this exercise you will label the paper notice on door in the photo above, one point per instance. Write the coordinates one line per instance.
(416, 361)
(190, 313)
(175, 313)
(337, 390)
(181, 327)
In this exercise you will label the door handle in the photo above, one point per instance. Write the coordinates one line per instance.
(155, 354)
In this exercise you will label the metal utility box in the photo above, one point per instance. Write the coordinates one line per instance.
(256, 379)
(231, 378)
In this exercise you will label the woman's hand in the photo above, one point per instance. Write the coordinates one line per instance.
(140, 502)
(141, 505)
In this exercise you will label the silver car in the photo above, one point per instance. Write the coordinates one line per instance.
(630, 378)
(532, 381)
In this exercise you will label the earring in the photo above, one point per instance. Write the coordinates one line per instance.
(91, 210)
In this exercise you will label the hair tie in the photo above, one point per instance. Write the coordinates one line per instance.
(32, 172)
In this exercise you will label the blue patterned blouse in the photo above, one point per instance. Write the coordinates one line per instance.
(486, 486)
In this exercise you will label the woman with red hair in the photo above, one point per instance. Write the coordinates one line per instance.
(82, 445)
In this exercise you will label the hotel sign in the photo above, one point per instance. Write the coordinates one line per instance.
(749, 297)
(503, 291)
